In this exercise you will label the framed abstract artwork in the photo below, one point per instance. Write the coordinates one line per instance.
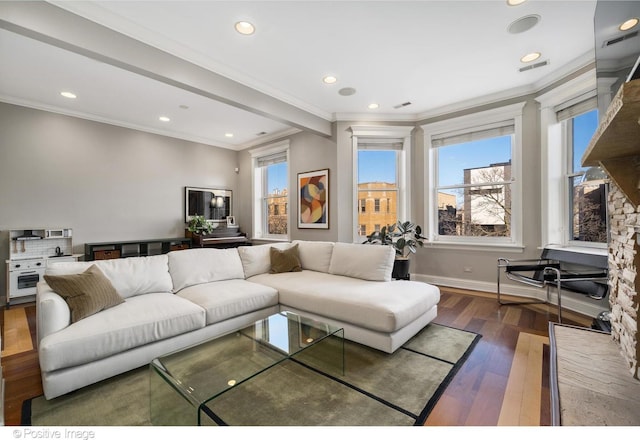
(313, 199)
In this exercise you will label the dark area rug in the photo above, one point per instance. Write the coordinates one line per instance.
(376, 389)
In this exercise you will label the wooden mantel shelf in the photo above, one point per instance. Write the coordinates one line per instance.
(616, 144)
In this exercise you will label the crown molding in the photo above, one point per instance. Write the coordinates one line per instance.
(579, 63)
(567, 69)
(370, 117)
(268, 138)
(103, 120)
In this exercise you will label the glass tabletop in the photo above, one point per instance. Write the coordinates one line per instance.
(202, 372)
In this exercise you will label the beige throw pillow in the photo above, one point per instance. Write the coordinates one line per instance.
(86, 293)
(286, 260)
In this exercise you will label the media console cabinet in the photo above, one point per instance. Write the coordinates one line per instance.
(134, 248)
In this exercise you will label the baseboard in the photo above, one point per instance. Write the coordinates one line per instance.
(579, 304)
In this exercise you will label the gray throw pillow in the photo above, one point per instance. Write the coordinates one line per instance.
(86, 293)
(286, 260)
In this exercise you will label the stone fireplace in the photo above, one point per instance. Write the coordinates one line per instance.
(624, 256)
(616, 148)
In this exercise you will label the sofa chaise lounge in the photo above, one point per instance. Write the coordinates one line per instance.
(175, 300)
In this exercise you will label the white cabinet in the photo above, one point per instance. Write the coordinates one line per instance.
(30, 252)
(39, 243)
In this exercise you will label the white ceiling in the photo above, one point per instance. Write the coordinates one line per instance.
(438, 55)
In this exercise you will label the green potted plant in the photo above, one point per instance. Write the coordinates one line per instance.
(405, 237)
(199, 225)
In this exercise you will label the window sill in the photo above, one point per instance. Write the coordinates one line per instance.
(480, 247)
(579, 249)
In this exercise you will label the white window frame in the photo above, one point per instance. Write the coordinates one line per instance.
(403, 174)
(259, 188)
(554, 181)
(568, 189)
(512, 113)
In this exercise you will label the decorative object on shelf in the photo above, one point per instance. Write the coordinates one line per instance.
(405, 237)
(231, 221)
(215, 205)
(313, 199)
(199, 225)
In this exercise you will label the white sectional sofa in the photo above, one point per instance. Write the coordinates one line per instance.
(179, 299)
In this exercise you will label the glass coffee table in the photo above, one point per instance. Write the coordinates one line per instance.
(183, 383)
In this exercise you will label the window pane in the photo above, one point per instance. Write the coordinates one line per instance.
(588, 216)
(583, 128)
(454, 161)
(276, 200)
(476, 211)
(481, 210)
(377, 180)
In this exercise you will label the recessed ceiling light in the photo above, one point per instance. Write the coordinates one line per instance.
(229, 135)
(329, 79)
(632, 22)
(164, 119)
(530, 57)
(373, 106)
(245, 28)
(515, 2)
(68, 95)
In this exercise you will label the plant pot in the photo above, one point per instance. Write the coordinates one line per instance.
(400, 269)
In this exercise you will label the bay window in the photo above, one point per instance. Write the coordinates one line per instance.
(473, 186)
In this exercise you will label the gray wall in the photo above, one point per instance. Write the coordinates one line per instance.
(307, 152)
(105, 182)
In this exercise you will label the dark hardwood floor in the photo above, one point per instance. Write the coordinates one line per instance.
(473, 398)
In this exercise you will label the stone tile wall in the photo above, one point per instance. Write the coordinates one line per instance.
(624, 258)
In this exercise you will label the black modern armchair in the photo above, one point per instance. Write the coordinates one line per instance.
(560, 269)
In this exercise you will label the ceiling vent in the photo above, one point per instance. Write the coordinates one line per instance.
(404, 104)
(534, 66)
(619, 39)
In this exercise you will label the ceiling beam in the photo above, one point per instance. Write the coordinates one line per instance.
(52, 25)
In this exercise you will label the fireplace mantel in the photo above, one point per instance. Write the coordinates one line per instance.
(616, 144)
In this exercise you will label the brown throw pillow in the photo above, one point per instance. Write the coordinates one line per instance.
(86, 293)
(285, 261)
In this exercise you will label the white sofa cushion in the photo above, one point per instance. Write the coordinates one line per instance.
(68, 267)
(52, 312)
(138, 321)
(256, 259)
(203, 265)
(379, 306)
(227, 299)
(367, 262)
(130, 276)
(315, 255)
